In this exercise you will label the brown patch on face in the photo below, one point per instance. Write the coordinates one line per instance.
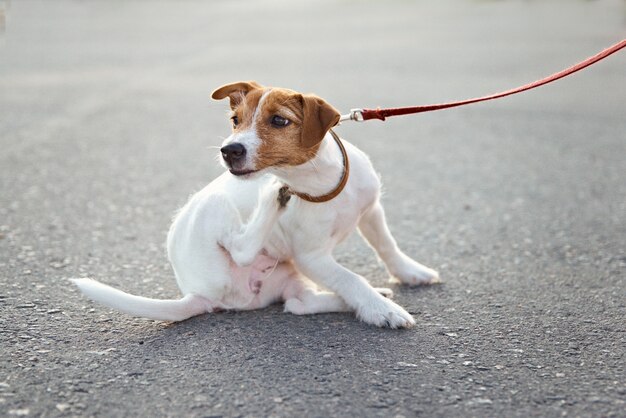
(295, 143)
(298, 141)
(246, 108)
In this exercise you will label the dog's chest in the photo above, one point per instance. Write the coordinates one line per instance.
(305, 227)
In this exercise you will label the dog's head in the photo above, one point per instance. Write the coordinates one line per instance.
(272, 127)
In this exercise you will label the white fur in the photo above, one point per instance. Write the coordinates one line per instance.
(280, 254)
(249, 138)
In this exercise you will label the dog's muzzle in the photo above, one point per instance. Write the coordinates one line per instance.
(234, 156)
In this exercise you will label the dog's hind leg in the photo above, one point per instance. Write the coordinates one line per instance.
(246, 243)
(314, 301)
(374, 228)
(302, 297)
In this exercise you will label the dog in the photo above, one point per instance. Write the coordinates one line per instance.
(301, 191)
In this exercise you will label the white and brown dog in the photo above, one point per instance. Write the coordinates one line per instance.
(280, 139)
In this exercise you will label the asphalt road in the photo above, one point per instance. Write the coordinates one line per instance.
(106, 127)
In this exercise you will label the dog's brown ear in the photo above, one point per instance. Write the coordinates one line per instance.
(235, 91)
(319, 117)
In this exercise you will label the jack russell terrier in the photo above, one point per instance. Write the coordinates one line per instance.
(302, 191)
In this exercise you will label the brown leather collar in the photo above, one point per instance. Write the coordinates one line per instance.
(342, 183)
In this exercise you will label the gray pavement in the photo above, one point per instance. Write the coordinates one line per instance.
(106, 127)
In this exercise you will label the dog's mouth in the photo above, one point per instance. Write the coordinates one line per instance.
(239, 173)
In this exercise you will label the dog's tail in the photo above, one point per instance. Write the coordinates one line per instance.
(160, 309)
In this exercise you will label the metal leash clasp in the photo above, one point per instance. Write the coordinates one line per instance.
(355, 115)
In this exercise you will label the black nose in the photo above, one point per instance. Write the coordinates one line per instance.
(233, 153)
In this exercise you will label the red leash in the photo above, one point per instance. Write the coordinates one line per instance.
(381, 114)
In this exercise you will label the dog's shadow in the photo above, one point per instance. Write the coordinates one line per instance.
(266, 322)
(234, 342)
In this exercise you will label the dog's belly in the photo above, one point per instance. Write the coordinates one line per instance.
(253, 286)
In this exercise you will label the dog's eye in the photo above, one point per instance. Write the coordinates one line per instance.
(279, 121)
(235, 120)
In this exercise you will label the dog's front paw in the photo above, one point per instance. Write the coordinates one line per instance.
(413, 273)
(385, 313)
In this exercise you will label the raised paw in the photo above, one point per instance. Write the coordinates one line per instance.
(284, 194)
(385, 313)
